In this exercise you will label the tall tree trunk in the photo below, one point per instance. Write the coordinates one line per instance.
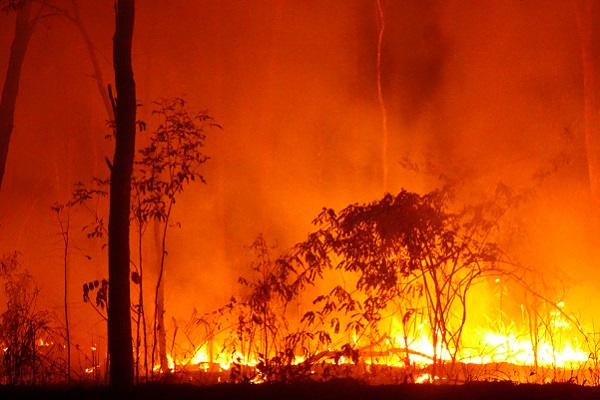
(585, 11)
(380, 98)
(120, 346)
(97, 76)
(10, 91)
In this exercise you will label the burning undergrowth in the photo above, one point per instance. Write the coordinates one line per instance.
(393, 291)
(409, 288)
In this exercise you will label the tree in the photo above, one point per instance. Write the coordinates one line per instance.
(63, 215)
(18, 49)
(380, 99)
(586, 11)
(22, 327)
(404, 243)
(120, 347)
(164, 168)
(73, 15)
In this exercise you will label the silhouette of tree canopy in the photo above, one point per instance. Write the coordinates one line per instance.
(401, 244)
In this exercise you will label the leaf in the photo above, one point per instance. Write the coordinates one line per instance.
(407, 316)
(136, 278)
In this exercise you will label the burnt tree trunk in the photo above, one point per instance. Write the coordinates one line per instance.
(10, 91)
(120, 346)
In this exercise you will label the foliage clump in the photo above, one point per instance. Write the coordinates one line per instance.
(26, 336)
(405, 259)
(410, 255)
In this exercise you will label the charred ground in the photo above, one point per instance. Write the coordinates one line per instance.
(336, 389)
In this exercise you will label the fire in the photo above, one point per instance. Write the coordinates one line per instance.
(426, 378)
(91, 370)
(200, 356)
(201, 359)
(485, 347)
(416, 328)
(479, 347)
(518, 351)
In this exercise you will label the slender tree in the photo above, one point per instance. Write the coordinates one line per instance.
(63, 216)
(162, 171)
(120, 346)
(384, 128)
(586, 11)
(73, 15)
(18, 49)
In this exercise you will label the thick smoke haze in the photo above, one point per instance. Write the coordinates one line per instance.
(483, 92)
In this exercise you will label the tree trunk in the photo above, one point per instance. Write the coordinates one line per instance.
(159, 233)
(585, 20)
(120, 346)
(97, 76)
(381, 100)
(10, 91)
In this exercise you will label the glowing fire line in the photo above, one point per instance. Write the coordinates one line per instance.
(483, 347)
(493, 348)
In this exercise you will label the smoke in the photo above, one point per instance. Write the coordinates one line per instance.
(482, 91)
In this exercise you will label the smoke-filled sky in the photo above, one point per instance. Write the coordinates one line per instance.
(477, 90)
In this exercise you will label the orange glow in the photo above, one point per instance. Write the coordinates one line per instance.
(564, 350)
(323, 106)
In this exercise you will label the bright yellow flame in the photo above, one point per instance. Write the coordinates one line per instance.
(555, 347)
(171, 363)
(200, 356)
(425, 378)
(509, 348)
(202, 360)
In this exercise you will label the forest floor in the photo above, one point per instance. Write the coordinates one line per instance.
(342, 389)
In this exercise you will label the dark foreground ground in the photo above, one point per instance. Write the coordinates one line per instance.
(339, 389)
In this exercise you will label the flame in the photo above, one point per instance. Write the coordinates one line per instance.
(509, 348)
(171, 362)
(560, 346)
(200, 356)
(201, 359)
(426, 378)
(493, 347)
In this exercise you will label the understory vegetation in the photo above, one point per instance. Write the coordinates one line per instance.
(380, 292)
(407, 288)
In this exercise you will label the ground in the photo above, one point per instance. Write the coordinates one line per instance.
(332, 390)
